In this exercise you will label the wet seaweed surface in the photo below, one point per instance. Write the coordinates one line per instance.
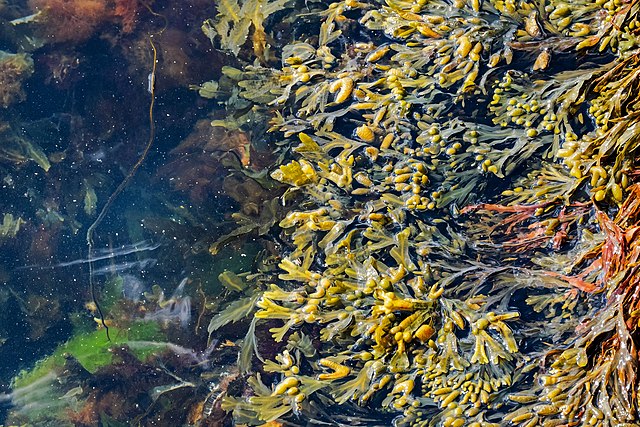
(282, 212)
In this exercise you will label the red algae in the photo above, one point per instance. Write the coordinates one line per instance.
(70, 20)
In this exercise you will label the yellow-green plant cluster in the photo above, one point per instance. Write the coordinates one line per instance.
(418, 279)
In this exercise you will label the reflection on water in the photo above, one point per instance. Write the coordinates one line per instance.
(108, 254)
(132, 287)
(176, 308)
(35, 398)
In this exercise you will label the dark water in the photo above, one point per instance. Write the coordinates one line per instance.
(86, 105)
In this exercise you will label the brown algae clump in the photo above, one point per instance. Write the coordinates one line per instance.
(449, 255)
(14, 69)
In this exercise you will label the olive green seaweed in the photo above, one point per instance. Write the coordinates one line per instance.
(460, 217)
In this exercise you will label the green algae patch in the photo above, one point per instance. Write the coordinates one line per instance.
(92, 350)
